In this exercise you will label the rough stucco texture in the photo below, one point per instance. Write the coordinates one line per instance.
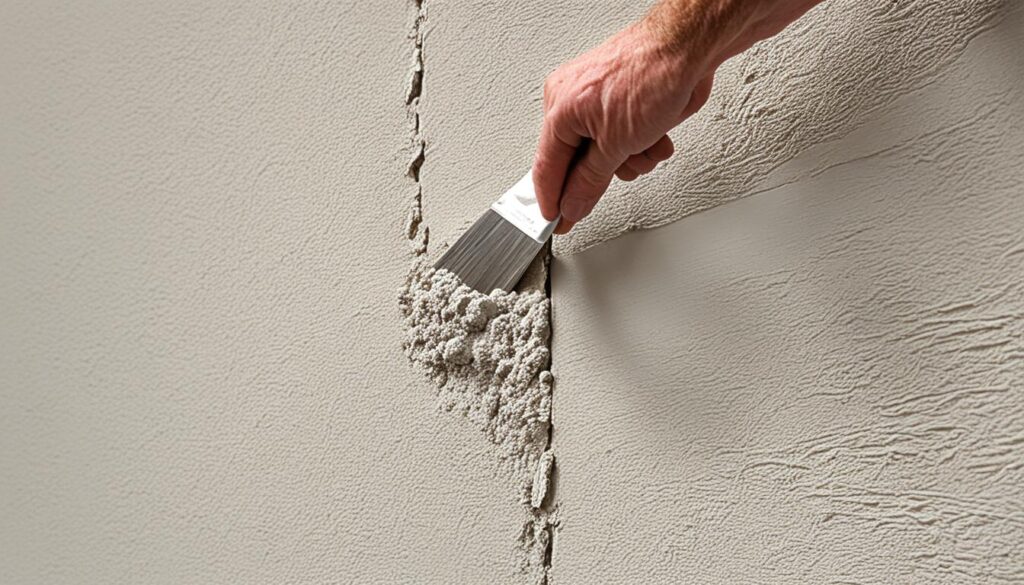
(822, 383)
(202, 239)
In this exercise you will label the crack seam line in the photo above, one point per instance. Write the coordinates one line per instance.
(416, 232)
(550, 516)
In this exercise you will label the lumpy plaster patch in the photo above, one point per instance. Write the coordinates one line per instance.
(488, 357)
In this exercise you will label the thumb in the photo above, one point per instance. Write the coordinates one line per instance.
(586, 182)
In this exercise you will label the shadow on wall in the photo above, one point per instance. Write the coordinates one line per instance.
(813, 84)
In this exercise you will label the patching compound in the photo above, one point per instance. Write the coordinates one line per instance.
(488, 357)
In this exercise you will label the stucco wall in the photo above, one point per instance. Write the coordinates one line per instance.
(203, 215)
(206, 213)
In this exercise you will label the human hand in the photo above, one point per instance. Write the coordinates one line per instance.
(607, 113)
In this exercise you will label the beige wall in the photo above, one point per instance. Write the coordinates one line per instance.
(202, 238)
(203, 217)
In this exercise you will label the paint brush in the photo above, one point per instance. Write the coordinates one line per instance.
(497, 249)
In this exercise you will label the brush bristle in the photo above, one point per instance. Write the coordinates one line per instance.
(492, 254)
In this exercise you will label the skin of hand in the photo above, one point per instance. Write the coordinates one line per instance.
(607, 112)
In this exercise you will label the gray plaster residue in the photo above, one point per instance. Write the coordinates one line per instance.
(488, 357)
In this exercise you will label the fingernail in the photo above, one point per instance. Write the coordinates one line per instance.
(574, 209)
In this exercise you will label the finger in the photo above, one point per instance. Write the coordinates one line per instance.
(661, 150)
(564, 226)
(586, 182)
(641, 163)
(699, 97)
(626, 173)
(551, 164)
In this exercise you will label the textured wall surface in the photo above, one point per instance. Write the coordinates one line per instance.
(813, 84)
(202, 236)
(822, 383)
(206, 212)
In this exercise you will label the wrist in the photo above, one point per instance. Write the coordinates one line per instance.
(692, 33)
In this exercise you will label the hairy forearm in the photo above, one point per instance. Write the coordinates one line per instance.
(695, 26)
(714, 30)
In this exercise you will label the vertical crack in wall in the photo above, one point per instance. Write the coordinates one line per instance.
(417, 233)
(531, 457)
(545, 509)
(551, 512)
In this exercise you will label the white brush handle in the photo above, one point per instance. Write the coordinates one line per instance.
(519, 206)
